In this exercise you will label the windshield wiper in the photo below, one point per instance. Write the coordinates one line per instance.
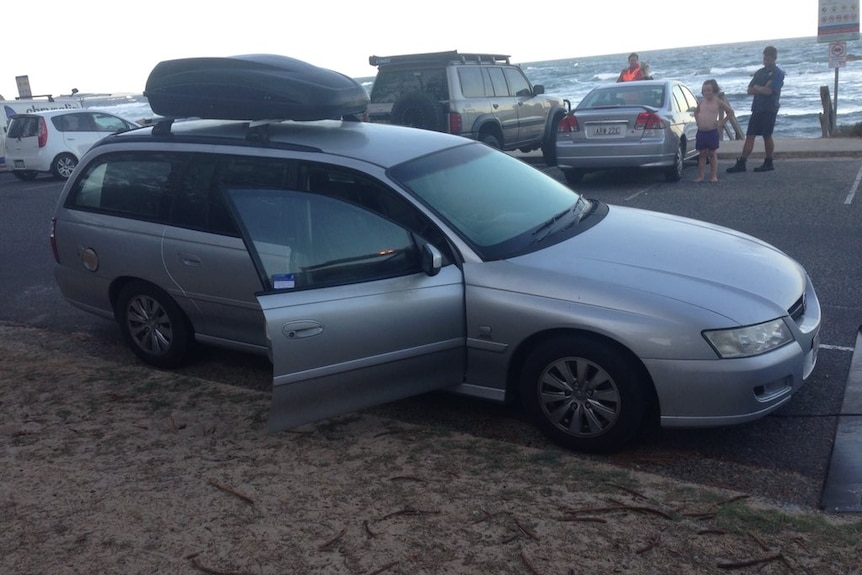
(578, 209)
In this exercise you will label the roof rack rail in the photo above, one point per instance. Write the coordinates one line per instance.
(452, 56)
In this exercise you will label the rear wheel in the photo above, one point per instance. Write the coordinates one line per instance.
(63, 166)
(674, 172)
(490, 140)
(153, 325)
(583, 394)
(25, 175)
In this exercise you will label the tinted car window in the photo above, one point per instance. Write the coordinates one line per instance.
(306, 240)
(23, 127)
(390, 84)
(498, 81)
(518, 85)
(185, 190)
(109, 123)
(136, 188)
(374, 196)
(678, 99)
(690, 98)
(80, 122)
(472, 82)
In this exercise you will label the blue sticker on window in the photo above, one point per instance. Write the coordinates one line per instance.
(284, 281)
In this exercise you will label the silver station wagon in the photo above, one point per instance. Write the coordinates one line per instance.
(375, 262)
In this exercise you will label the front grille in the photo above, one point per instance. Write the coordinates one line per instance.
(797, 310)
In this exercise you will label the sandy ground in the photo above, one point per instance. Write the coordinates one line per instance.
(110, 468)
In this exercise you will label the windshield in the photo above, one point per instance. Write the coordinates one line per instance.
(498, 204)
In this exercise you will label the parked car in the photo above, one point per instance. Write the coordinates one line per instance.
(645, 124)
(375, 262)
(54, 140)
(479, 96)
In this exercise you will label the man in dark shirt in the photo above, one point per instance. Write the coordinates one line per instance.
(765, 86)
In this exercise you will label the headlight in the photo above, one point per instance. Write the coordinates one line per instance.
(749, 341)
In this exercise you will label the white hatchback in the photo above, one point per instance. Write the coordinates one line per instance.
(53, 141)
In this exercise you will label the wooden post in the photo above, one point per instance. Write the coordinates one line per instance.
(827, 117)
(737, 135)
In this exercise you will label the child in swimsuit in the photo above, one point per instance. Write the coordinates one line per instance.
(708, 124)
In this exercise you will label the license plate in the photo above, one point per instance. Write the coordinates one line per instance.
(607, 131)
(19, 164)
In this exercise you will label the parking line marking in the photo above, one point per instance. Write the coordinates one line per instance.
(643, 191)
(855, 187)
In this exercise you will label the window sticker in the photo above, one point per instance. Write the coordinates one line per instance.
(284, 281)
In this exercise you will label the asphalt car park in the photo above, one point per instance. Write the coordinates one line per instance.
(799, 208)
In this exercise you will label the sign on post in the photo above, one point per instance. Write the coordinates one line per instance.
(837, 54)
(23, 86)
(837, 20)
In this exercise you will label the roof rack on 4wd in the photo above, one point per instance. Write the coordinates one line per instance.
(252, 87)
(439, 58)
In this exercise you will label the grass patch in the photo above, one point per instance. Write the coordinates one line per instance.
(849, 130)
(742, 518)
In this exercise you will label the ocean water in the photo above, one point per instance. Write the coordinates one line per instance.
(805, 62)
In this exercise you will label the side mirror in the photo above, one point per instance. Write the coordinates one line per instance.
(432, 260)
(538, 89)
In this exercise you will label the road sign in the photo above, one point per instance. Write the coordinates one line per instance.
(837, 54)
(837, 20)
(23, 86)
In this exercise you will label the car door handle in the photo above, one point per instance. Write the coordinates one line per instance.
(301, 329)
(188, 259)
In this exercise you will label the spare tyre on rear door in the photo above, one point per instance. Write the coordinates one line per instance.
(418, 110)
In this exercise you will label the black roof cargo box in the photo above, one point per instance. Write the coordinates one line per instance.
(252, 87)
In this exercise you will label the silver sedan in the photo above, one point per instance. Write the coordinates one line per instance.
(646, 124)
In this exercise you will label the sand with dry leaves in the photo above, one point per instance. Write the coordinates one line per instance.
(111, 468)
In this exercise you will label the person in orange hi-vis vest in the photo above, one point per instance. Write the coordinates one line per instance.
(635, 70)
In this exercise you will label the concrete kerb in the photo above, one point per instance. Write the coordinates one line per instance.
(796, 148)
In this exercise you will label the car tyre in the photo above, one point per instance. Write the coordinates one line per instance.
(574, 176)
(63, 166)
(674, 172)
(418, 110)
(25, 175)
(153, 325)
(583, 394)
(491, 141)
(549, 146)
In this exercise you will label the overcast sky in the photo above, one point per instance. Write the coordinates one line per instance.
(111, 46)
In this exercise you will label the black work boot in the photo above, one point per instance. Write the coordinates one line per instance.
(766, 166)
(739, 166)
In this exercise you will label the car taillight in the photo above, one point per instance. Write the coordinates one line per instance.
(456, 125)
(648, 121)
(43, 133)
(53, 237)
(568, 125)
